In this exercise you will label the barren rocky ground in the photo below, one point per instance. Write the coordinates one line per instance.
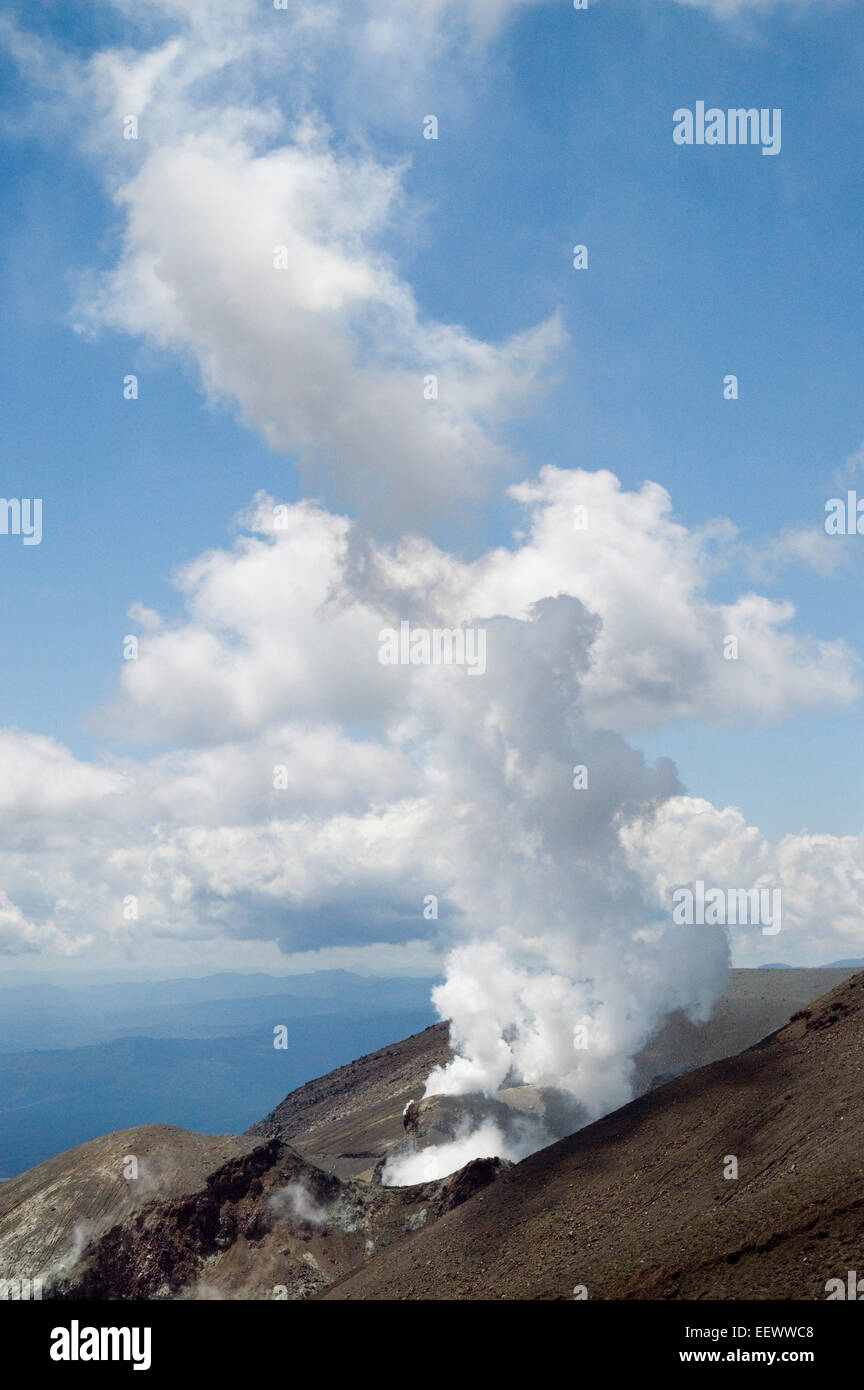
(636, 1205)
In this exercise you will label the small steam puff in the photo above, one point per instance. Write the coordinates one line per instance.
(567, 970)
(485, 1140)
(296, 1204)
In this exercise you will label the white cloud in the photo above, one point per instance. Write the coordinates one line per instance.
(401, 782)
(40, 777)
(798, 545)
(821, 877)
(327, 355)
(19, 936)
(324, 352)
(659, 652)
(410, 781)
(275, 623)
(731, 9)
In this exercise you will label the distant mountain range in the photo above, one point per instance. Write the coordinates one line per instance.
(638, 1205)
(198, 1053)
(48, 1016)
(857, 964)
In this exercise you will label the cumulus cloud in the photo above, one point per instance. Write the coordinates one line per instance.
(659, 652)
(315, 797)
(254, 241)
(310, 794)
(799, 545)
(20, 936)
(275, 622)
(263, 267)
(821, 877)
(40, 776)
(730, 9)
(256, 234)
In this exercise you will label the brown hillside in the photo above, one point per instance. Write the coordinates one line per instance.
(636, 1205)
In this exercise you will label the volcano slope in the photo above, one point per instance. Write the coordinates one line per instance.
(637, 1204)
(348, 1121)
(634, 1206)
(207, 1217)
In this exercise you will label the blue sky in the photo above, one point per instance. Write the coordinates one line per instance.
(702, 261)
(556, 130)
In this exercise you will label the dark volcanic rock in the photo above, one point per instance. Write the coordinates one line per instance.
(640, 1204)
(635, 1205)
